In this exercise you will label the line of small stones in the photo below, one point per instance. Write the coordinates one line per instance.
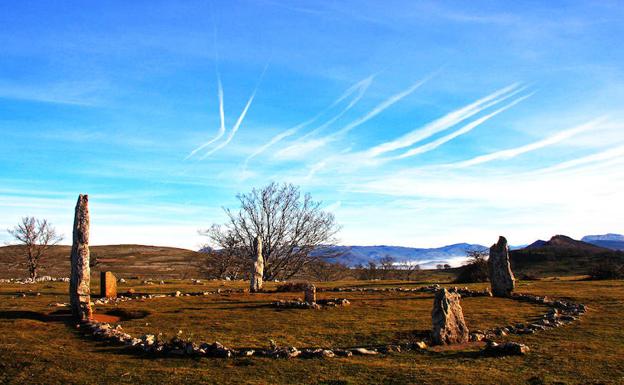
(27, 281)
(319, 304)
(560, 313)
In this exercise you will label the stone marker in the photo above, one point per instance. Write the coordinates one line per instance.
(108, 285)
(257, 269)
(310, 294)
(80, 280)
(447, 317)
(502, 279)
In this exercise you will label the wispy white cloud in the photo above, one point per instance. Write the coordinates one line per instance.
(77, 93)
(360, 87)
(513, 152)
(612, 154)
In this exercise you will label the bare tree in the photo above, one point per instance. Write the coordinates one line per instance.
(410, 269)
(387, 264)
(37, 236)
(228, 262)
(475, 269)
(369, 272)
(326, 271)
(294, 229)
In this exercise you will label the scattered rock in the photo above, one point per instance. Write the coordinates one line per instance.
(506, 349)
(363, 352)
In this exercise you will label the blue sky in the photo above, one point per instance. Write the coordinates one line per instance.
(417, 123)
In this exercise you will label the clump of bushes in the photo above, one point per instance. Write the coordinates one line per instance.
(476, 270)
(607, 270)
(528, 277)
(293, 286)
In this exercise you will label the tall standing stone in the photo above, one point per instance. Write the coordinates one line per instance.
(310, 294)
(257, 270)
(79, 284)
(502, 279)
(108, 285)
(447, 318)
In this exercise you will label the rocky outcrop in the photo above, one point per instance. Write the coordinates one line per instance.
(257, 269)
(447, 317)
(502, 279)
(80, 280)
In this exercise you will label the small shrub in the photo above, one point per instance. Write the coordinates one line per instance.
(289, 287)
(476, 270)
(528, 277)
(607, 270)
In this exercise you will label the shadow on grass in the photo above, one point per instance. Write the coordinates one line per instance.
(57, 316)
(126, 315)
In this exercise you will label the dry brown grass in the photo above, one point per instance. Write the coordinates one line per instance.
(35, 350)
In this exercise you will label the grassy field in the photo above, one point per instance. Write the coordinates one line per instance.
(39, 349)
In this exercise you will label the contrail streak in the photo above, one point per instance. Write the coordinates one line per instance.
(240, 119)
(360, 86)
(221, 116)
(361, 90)
(219, 89)
(445, 122)
(465, 129)
(382, 106)
(513, 152)
(316, 143)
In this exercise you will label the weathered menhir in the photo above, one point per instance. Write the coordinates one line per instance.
(80, 280)
(108, 285)
(501, 277)
(257, 269)
(447, 318)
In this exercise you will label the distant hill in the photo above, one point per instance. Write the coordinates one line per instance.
(427, 258)
(609, 241)
(561, 255)
(123, 260)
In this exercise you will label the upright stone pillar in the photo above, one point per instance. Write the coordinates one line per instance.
(79, 283)
(447, 318)
(310, 294)
(502, 279)
(108, 285)
(257, 270)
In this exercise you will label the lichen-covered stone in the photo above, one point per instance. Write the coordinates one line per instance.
(257, 269)
(502, 279)
(447, 318)
(80, 280)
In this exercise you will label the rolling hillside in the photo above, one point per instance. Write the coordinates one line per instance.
(561, 255)
(124, 260)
